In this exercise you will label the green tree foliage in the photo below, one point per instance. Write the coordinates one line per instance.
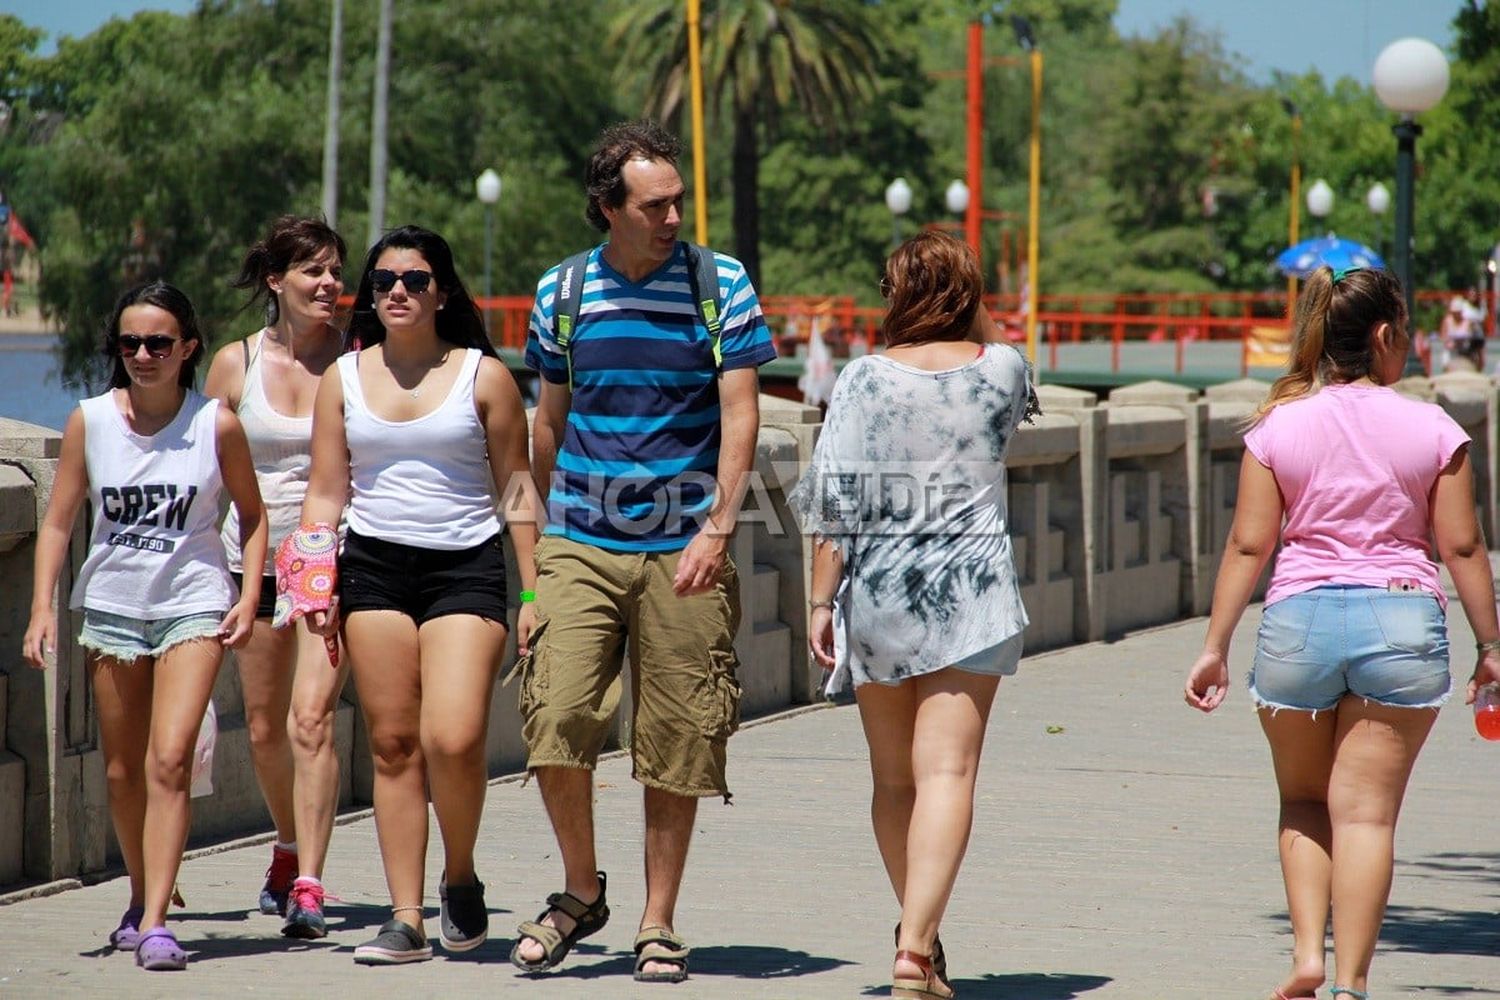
(165, 143)
(175, 140)
(760, 59)
(1458, 202)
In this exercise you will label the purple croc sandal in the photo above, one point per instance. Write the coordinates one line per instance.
(159, 951)
(126, 936)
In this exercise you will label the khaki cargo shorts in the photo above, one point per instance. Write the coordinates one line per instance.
(594, 605)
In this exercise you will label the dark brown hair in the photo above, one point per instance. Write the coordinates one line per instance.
(458, 322)
(165, 297)
(292, 239)
(1331, 340)
(932, 287)
(617, 145)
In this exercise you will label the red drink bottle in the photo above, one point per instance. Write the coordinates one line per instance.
(1487, 712)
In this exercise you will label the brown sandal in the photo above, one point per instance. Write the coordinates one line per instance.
(587, 919)
(929, 987)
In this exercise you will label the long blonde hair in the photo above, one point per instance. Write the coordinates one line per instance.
(1331, 331)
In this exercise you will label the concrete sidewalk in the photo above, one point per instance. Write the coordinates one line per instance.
(1124, 847)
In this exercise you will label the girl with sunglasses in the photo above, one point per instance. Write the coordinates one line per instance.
(420, 431)
(152, 457)
(290, 692)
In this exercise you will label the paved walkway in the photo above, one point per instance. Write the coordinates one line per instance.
(1123, 850)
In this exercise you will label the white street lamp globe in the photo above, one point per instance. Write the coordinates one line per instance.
(898, 196)
(1411, 75)
(957, 197)
(1378, 199)
(487, 186)
(1320, 198)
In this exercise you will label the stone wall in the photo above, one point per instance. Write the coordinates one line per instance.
(1119, 512)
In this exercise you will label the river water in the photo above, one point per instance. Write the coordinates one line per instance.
(30, 388)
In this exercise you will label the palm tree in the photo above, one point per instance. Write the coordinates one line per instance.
(759, 56)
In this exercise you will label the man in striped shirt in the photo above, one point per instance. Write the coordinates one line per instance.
(644, 437)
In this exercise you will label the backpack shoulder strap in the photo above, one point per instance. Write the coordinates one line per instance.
(567, 302)
(703, 281)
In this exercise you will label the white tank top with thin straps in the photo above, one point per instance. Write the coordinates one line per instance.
(423, 482)
(280, 448)
(154, 550)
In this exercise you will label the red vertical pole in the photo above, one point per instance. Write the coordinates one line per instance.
(976, 134)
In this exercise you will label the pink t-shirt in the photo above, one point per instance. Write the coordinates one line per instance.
(1356, 464)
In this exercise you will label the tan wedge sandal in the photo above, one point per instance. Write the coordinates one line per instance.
(929, 987)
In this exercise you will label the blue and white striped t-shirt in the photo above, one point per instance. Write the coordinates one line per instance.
(635, 471)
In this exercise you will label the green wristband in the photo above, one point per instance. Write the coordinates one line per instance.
(528, 596)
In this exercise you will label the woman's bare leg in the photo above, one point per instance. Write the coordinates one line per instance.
(122, 695)
(314, 701)
(1375, 749)
(383, 649)
(182, 684)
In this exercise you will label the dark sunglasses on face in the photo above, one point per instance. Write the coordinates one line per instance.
(158, 345)
(415, 282)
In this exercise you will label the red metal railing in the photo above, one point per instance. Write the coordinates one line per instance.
(1116, 319)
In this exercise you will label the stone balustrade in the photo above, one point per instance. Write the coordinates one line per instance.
(1119, 511)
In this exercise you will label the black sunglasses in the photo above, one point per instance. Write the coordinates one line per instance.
(415, 282)
(158, 345)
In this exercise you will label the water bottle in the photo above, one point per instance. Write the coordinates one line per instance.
(1487, 712)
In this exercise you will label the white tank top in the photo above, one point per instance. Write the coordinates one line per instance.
(423, 482)
(154, 549)
(280, 447)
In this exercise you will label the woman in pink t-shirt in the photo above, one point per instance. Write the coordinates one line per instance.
(1351, 660)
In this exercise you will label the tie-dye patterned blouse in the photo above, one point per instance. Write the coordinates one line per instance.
(908, 479)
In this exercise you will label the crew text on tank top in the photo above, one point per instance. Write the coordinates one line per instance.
(154, 548)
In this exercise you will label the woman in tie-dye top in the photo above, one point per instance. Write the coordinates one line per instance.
(915, 596)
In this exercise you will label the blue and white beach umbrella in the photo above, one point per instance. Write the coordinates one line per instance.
(1306, 257)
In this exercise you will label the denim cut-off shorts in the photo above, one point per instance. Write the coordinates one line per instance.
(1384, 646)
(124, 638)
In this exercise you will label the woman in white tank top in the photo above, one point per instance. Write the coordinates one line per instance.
(420, 433)
(152, 456)
(270, 380)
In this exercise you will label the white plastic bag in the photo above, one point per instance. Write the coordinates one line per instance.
(203, 753)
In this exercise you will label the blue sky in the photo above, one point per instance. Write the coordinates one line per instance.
(1338, 37)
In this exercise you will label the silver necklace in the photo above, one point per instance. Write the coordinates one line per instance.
(416, 390)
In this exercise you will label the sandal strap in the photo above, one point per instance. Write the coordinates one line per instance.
(571, 906)
(923, 962)
(1348, 991)
(663, 944)
(547, 936)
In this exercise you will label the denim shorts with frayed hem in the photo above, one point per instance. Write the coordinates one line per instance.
(1317, 646)
(124, 638)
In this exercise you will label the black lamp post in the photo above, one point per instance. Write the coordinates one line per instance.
(1411, 75)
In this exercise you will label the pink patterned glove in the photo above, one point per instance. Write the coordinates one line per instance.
(307, 577)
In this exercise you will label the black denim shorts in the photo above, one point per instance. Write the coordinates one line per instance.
(376, 575)
(266, 607)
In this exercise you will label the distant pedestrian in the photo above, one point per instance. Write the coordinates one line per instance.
(914, 590)
(421, 432)
(152, 457)
(270, 380)
(645, 435)
(1351, 660)
(1463, 337)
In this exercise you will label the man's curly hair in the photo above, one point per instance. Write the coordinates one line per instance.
(618, 144)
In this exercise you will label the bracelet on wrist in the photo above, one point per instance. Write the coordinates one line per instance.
(528, 596)
(1493, 646)
(813, 605)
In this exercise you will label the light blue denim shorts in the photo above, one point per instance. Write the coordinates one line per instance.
(126, 638)
(1387, 647)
